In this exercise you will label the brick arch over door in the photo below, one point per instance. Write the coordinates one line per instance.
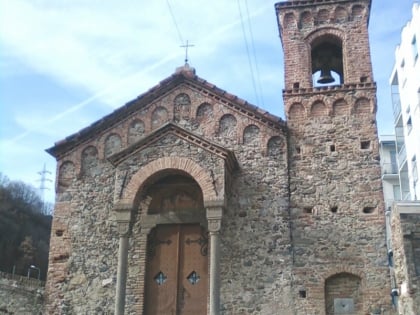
(345, 286)
(342, 269)
(345, 269)
(199, 174)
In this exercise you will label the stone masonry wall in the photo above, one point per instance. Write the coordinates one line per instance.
(256, 254)
(84, 247)
(20, 295)
(405, 224)
(337, 212)
(255, 249)
(336, 205)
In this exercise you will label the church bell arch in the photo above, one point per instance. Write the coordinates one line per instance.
(327, 60)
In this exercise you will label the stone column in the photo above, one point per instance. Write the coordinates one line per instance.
(214, 218)
(123, 218)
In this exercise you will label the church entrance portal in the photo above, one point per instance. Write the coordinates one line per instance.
(177, 263)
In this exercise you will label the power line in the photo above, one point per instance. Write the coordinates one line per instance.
(186, 45)
(247, 52)
(259, 86)
(175, 23)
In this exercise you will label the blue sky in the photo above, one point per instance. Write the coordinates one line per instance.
(66, 63)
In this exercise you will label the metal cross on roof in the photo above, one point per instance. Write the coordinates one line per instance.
(186, 50)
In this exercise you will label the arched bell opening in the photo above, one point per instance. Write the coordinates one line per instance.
(327, 61)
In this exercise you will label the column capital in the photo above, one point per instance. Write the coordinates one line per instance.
(123, 229)
(214, 219)
(123, 216)
(214, 213)
(214, 225)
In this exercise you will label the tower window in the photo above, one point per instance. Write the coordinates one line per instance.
(365, 144)
(327, 61)
(368, 210)
(308, 210)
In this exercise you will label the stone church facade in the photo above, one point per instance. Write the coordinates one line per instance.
(189, 200)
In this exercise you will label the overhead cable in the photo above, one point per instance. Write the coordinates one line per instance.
(247, 52)
(175, 23)
(258, 77)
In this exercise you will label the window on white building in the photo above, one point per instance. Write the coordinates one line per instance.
(394, 165)
(409, 125)
(414, 49)
(397, 192)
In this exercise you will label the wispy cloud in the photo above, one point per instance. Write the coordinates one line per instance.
(87, 53)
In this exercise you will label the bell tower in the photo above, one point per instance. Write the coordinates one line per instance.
(336, 202)
(325, 42)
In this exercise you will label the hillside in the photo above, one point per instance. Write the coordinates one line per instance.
(25, 226)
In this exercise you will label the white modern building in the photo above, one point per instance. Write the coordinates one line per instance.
(389, 168)
(405, 86)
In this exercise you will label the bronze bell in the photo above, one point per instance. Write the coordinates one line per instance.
(325, 77)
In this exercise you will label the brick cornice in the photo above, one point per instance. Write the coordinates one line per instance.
(329, 89)
(146, 99)
(304, 3)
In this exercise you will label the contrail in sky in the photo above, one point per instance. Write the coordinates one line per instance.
(217, 33)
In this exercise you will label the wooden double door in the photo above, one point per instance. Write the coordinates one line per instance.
(177, 270)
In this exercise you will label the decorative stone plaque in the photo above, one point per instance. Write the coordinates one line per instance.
(343, 306)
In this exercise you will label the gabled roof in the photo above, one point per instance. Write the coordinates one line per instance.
(183, 75)
(171, 128)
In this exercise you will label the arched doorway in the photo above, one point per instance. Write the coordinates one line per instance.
(176, 262)
(343, 294)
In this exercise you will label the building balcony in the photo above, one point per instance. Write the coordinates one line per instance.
(389, 171)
